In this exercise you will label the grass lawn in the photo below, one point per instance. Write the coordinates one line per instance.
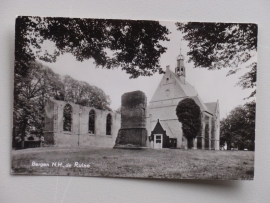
(146, 163)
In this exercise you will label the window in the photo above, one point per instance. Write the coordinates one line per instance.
(167, 92)
(91, 124)
(109, 125)
(177, 70)
(67, 118)
(158, 139)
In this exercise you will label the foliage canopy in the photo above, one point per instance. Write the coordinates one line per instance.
(223, 45)
(238, 128)
(135, 45)
(189, 114)
(32, 92)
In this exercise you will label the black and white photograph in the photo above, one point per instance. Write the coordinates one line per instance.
(134, 98)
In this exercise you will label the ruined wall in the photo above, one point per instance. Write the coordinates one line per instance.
(133, 121)
(50, 122)
(133, 110)
(79, 135)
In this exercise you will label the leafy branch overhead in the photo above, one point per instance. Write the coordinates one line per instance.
(223, 45)
(135, 45)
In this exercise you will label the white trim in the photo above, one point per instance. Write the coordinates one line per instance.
(158, 146)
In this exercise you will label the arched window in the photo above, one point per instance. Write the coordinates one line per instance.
(91, 124)
(109, 125)
(67, 118)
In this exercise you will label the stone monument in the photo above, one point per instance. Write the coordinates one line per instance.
(133, 133)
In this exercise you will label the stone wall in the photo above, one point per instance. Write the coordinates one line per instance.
(133, 133)
(133, 109)
(79, 135)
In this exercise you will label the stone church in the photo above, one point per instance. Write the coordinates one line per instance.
(164, 129)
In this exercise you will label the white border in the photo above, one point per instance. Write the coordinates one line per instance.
(89, 189)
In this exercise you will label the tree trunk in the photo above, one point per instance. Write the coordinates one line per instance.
(23, 132)
(190, 143)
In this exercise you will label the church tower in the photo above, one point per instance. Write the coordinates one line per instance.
(180, 69)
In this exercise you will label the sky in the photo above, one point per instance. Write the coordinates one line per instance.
(211, 85)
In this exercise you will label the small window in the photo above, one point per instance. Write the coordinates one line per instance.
(167, 92)
(158, 139)
(67, 118)
(91, 124)
(109, 125)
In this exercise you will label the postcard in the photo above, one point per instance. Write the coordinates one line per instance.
(134, 98)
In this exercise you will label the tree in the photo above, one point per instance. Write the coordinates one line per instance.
(118, 110)
(30, 94)
(223, 45)
(32, 91)
(82, 93)
(238, 128)
(135, 45)
(189, 114)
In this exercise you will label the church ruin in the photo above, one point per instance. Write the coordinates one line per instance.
(69, 124)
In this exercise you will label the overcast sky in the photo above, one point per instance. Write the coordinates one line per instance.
(211, 85)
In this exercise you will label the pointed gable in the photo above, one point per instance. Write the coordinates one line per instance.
(212, 107)
(171, 87)
(158, 129)
(187, 88)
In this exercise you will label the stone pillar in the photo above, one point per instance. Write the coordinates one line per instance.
(203, 143)
(133, 133)
(51, 122)
(217, 144)
(203, 135)
(194, 143)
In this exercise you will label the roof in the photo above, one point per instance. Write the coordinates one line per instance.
(199, 102)
(167, 128)
(171, 127)
(181, 90)
(158, 128)
(178, 88)
(211, 106)
(187, 88)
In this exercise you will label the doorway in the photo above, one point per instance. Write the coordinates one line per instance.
(173, 142)
(158, 141)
